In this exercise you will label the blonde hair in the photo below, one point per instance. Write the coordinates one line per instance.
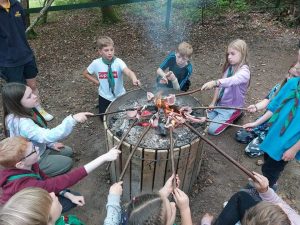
(12, 150)
(266, 213)
(27, 207)
(185, 49)
(240, 46)
(104, 41)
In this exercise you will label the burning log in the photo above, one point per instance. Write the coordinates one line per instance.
(234, 162)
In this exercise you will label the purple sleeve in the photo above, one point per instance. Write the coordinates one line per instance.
(271, 196)
(242, 76)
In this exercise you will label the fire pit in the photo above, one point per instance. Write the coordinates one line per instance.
(151, 164)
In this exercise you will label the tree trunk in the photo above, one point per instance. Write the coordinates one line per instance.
(45, 16)
(25, 4)
(109, 15)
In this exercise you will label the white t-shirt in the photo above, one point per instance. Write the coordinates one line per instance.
(100, 69)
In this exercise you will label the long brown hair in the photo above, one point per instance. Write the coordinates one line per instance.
(146, 209)
(12, 93)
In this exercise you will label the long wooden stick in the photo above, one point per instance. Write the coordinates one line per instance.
(234, 162)
(172, 156)
(122, 139)
(132, 152)
(107, 113)
(188, 92)
(229, 124)
(219, 107)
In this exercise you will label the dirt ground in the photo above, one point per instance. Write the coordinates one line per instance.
(66, 46)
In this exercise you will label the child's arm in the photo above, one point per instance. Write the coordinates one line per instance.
(215, 98)
(182, 201)
(32, 131)
(113, 216)
(259, 121)
(78, 200)
(259, 106)
(90, 77)
(171, 76)
(132, 76)
(291, 152)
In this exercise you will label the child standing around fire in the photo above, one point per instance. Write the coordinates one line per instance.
(176, 69)
(231, 88)
(109, 71)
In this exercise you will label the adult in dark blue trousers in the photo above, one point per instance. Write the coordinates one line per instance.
(17, 62)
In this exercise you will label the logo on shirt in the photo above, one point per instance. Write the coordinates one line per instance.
(103, 75)
(17, 14)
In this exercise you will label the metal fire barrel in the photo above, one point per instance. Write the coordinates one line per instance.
(150, 165)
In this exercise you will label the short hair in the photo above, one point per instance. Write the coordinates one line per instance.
(146, 209)
(28, 206)
(104, 41)
(266, 213)
(185, 49)
(12, 150)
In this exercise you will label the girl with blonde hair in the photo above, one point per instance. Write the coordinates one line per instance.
(231, 89)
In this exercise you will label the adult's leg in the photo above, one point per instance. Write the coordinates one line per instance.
(224, 116)
(235, 209)
(55, 164)
(103, 104)
(271, 169)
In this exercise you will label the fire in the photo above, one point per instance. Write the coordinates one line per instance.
(162, 104)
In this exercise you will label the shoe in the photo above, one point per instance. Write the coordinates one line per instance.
(253, 192)
(48, 117)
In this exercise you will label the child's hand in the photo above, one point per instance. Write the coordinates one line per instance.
(136, 82)
(57, 146)
(163, 80)
(261, 183)
(112, 154)
(78, 200)
(289, 154)
(167, 189)
(249, 126)
(81, 117)
(207, 219)
(252, 108)
(116, 188)
(171, 76)
(181, 199)
(209, 85)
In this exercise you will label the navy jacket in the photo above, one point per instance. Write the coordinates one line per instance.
(14, 48)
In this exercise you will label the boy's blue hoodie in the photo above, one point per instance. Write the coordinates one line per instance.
(14, 48)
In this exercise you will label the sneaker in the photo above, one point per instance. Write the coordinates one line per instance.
(48, 117)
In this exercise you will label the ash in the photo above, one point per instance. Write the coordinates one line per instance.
(119, 124)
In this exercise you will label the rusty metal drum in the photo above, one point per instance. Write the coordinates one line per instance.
(150, 165)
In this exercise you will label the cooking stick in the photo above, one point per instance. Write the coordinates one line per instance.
(122, 139)
(234, 162)
(188, 92)
(132, 152)
(219, 107)
(107, 113)
(172, 157)
(229, 124)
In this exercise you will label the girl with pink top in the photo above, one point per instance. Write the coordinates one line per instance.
(231, 88)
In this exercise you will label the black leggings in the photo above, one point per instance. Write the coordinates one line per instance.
(271, 169)
(236, 208)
